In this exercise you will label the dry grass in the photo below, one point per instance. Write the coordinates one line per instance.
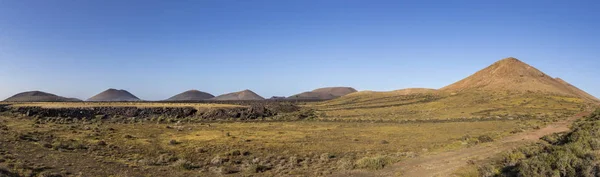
(121, 104)
(330, 146)
(443, 105)
(282, 138)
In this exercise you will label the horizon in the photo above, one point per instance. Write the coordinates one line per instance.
(156, 50)
(266, 97)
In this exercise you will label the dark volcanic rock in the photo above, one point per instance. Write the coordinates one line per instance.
(277, 98)
(252, 111)
(3, 107)
(90, 113)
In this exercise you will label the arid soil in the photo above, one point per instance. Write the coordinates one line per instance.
(445, 163)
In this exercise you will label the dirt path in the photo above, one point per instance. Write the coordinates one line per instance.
(445, 163)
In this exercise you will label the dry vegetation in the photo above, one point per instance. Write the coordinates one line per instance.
(443, 105)
(573, 153)
(311, 148)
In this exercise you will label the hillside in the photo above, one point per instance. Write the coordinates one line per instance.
(510, 74)
(324, 93)
(38, 96)
(191, 95)
(507, 88)
(114, 95)
(241, 95)
(578, 91)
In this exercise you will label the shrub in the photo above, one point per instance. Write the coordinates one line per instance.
(174, 142)
(258, 168)
(512, 158)
(186, 165)
(485, 139)
(487, 170)
(345, 164)
(165, 159)
(373, 163)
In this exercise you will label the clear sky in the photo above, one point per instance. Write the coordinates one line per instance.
(156, 49)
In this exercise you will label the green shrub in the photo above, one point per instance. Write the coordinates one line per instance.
(373, 163)
(512, 158)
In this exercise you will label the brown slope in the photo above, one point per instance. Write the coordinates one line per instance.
(335, 91)
(38, 96)
(383, 94)
(510, 74)
(191, 95)
(114, 95)
(241, 95)
(409, 91)
(578, 91)
(325, 93)
(312, 96)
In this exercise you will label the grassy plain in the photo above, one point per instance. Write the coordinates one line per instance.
(316, 148)
(333, 140)
(443, 105)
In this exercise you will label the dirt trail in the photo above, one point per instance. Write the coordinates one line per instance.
(445, 163)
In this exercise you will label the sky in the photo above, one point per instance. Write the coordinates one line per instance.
(156, 49)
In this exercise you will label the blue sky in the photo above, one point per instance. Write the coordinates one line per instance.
(156, 49)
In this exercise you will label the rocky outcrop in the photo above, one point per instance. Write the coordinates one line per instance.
(252, 111)
(3, 107)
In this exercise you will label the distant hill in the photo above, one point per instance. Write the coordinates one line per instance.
(241, 95)
(38, 96)
(324, 93)
(191, 95)
(114, 95)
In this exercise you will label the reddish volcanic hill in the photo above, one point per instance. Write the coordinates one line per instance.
(114, 95)
(509, 74)
(241, 95)
(191, 95)
(324, 93)
(38, 96)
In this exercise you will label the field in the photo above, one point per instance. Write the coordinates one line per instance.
(396, 106)
(305, 147)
